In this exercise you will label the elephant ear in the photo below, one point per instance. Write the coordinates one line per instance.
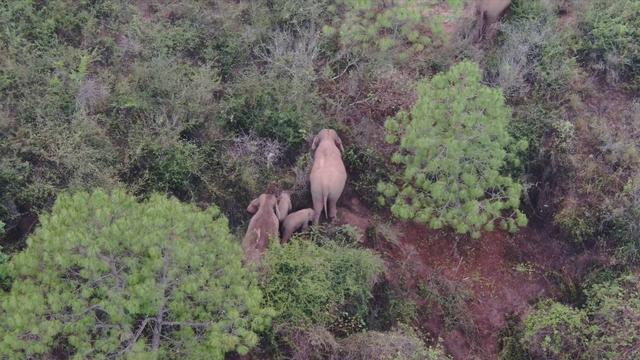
(253, 206)
(314, 145)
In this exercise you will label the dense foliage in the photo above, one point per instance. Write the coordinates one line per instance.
(611, 30)
(309, 284)
(607, 327)
(106, 276)
(216, 102)
(454, 147)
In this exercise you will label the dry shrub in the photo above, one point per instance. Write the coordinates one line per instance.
(399, 344)
(261, 152)
(92, 95)
(314, 343)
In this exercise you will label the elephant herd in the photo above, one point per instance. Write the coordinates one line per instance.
(272, 214)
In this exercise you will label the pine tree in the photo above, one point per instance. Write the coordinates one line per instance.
(453, 150)
(107, 277)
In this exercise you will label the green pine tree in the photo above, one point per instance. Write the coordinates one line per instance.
(105, 276)
(453, 150)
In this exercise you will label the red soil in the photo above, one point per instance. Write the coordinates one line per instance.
(503, 274)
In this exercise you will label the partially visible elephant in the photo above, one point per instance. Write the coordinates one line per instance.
(263, 225)
(328, 174)
(284, 205)
(488, 13)
(294, 221)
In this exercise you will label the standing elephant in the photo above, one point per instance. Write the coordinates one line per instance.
(263, 225)
(488, 13)
(328, 174)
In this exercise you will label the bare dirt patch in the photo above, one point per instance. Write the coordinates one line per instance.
(499, 274)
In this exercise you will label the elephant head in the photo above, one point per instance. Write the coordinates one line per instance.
(284, 205)
(327, 135)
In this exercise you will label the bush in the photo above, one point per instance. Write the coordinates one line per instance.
(554, 331)
(614, 313)
(606, 328)
(171, 169)
(610, 46)
(264, 115)
(312, 284)
(366, 168)
(536, 57)
(134, 278)
(5, 279)
(453, 147)
(452, 299)
(603, 190)
(397, 33)
(399, 344)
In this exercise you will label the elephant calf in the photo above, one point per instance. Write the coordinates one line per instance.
(294, 221)
(328, 174)
(284, 205)
(263, 225)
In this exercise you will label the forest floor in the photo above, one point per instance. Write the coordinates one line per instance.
(487, 279)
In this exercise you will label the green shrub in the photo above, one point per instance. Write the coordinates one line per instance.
(164, 94)
(263, 115)
(172, 169)
(281, 108)
(605, 328)
(13, 179)
(614, 313)
(297, 14)
(555, 331)
(509, 340)
(610, 31)
(311, 284)
(536, 59)
(398, 33)
(158, 277)
(366, 168)
(5, 279)
(454, 146)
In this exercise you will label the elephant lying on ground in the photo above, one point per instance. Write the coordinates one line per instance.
(328, 174)
(295, 221)
(488, 13)
(284, 205)
(263, 225)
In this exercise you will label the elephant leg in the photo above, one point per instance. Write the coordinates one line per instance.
(333, 210)
(317, 206)
(286, 236)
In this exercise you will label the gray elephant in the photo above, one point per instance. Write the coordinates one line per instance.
(284, 205)
(488, 13)
(328, 174)
(294, 221)
(263, 225)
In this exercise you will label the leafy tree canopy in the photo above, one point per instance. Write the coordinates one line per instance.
(108, 277)
(454, 150)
